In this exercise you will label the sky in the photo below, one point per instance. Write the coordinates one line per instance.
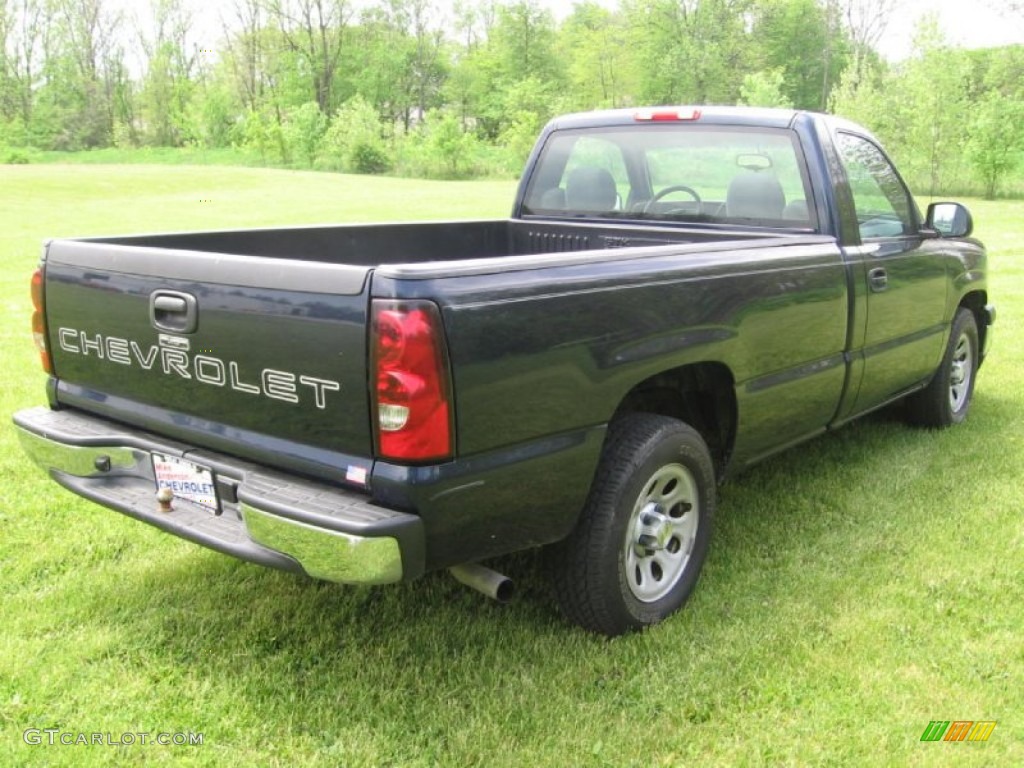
(965, 23)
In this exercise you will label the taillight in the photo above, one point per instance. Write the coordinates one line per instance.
(39, 321)
(411, 389)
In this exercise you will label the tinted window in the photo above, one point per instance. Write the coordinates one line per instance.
(884, 207)
(715, 174)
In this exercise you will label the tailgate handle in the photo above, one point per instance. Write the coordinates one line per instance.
(172, 304)
(173, 311)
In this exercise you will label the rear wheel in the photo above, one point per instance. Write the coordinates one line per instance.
(947, 398)
(637, 550)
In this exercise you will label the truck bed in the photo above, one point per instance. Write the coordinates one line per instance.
(373, 245)
(276, 364)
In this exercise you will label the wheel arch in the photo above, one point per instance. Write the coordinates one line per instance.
(976, 302)
(702, 395)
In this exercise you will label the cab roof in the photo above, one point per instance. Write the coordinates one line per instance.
(742, 116)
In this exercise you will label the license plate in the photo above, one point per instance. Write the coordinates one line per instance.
(186, 480)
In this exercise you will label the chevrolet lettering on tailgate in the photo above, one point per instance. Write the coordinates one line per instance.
(172, 358)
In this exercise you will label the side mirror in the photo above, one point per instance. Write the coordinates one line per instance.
(949, 220)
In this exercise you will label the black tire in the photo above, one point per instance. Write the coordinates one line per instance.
(947, 398)
(637, 550)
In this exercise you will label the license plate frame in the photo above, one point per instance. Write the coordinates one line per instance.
(187, 480)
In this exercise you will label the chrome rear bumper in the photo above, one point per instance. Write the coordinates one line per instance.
(265, 517)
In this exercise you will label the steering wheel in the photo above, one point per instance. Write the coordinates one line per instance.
(668, 191)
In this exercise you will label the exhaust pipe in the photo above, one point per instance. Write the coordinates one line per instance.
(495, 585)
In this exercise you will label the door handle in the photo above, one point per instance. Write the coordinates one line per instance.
(173, 311)
(878, 279)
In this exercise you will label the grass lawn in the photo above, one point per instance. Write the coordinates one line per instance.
(858, 587)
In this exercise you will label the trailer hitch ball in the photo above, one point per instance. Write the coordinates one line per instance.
(164, 497)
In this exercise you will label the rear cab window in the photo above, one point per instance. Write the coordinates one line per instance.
(694, 174)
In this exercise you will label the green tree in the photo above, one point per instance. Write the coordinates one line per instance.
(522, 45)
(263, 131)
(1004, 72)
(427, 64)
(593, 41)
(355, 139)
(267, 75)
(528, 104)
(447, 144)
(471, 66)
(168, 82)
(996, 146)
(690, 51)
(863, 100)
(932, 90)
(304, 129)
(765, 89)
(24, 27)
(524, 42)
(399, 59)
(214, 114)
(919, 108)
(782, 27)
(314, 31)
(246, 53)
(164, 99)
(84, 74)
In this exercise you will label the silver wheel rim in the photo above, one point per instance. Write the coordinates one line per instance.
(661, 532)
(961, 370)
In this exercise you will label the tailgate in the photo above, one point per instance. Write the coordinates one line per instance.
(262, 357)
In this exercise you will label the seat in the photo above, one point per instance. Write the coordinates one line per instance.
(553, 199)
(590, 189)
(796, 211)
(755, 195)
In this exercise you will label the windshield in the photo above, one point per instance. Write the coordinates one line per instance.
(709, 174)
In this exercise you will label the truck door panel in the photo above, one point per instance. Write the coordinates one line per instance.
(903, 281)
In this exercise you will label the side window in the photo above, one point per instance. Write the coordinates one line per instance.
(884, 207)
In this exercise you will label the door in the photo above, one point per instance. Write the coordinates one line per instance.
(904, 282)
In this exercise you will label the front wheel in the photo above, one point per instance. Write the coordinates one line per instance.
(947, 397)
(636, 552)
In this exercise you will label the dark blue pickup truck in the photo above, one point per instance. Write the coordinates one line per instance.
(679, 293)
